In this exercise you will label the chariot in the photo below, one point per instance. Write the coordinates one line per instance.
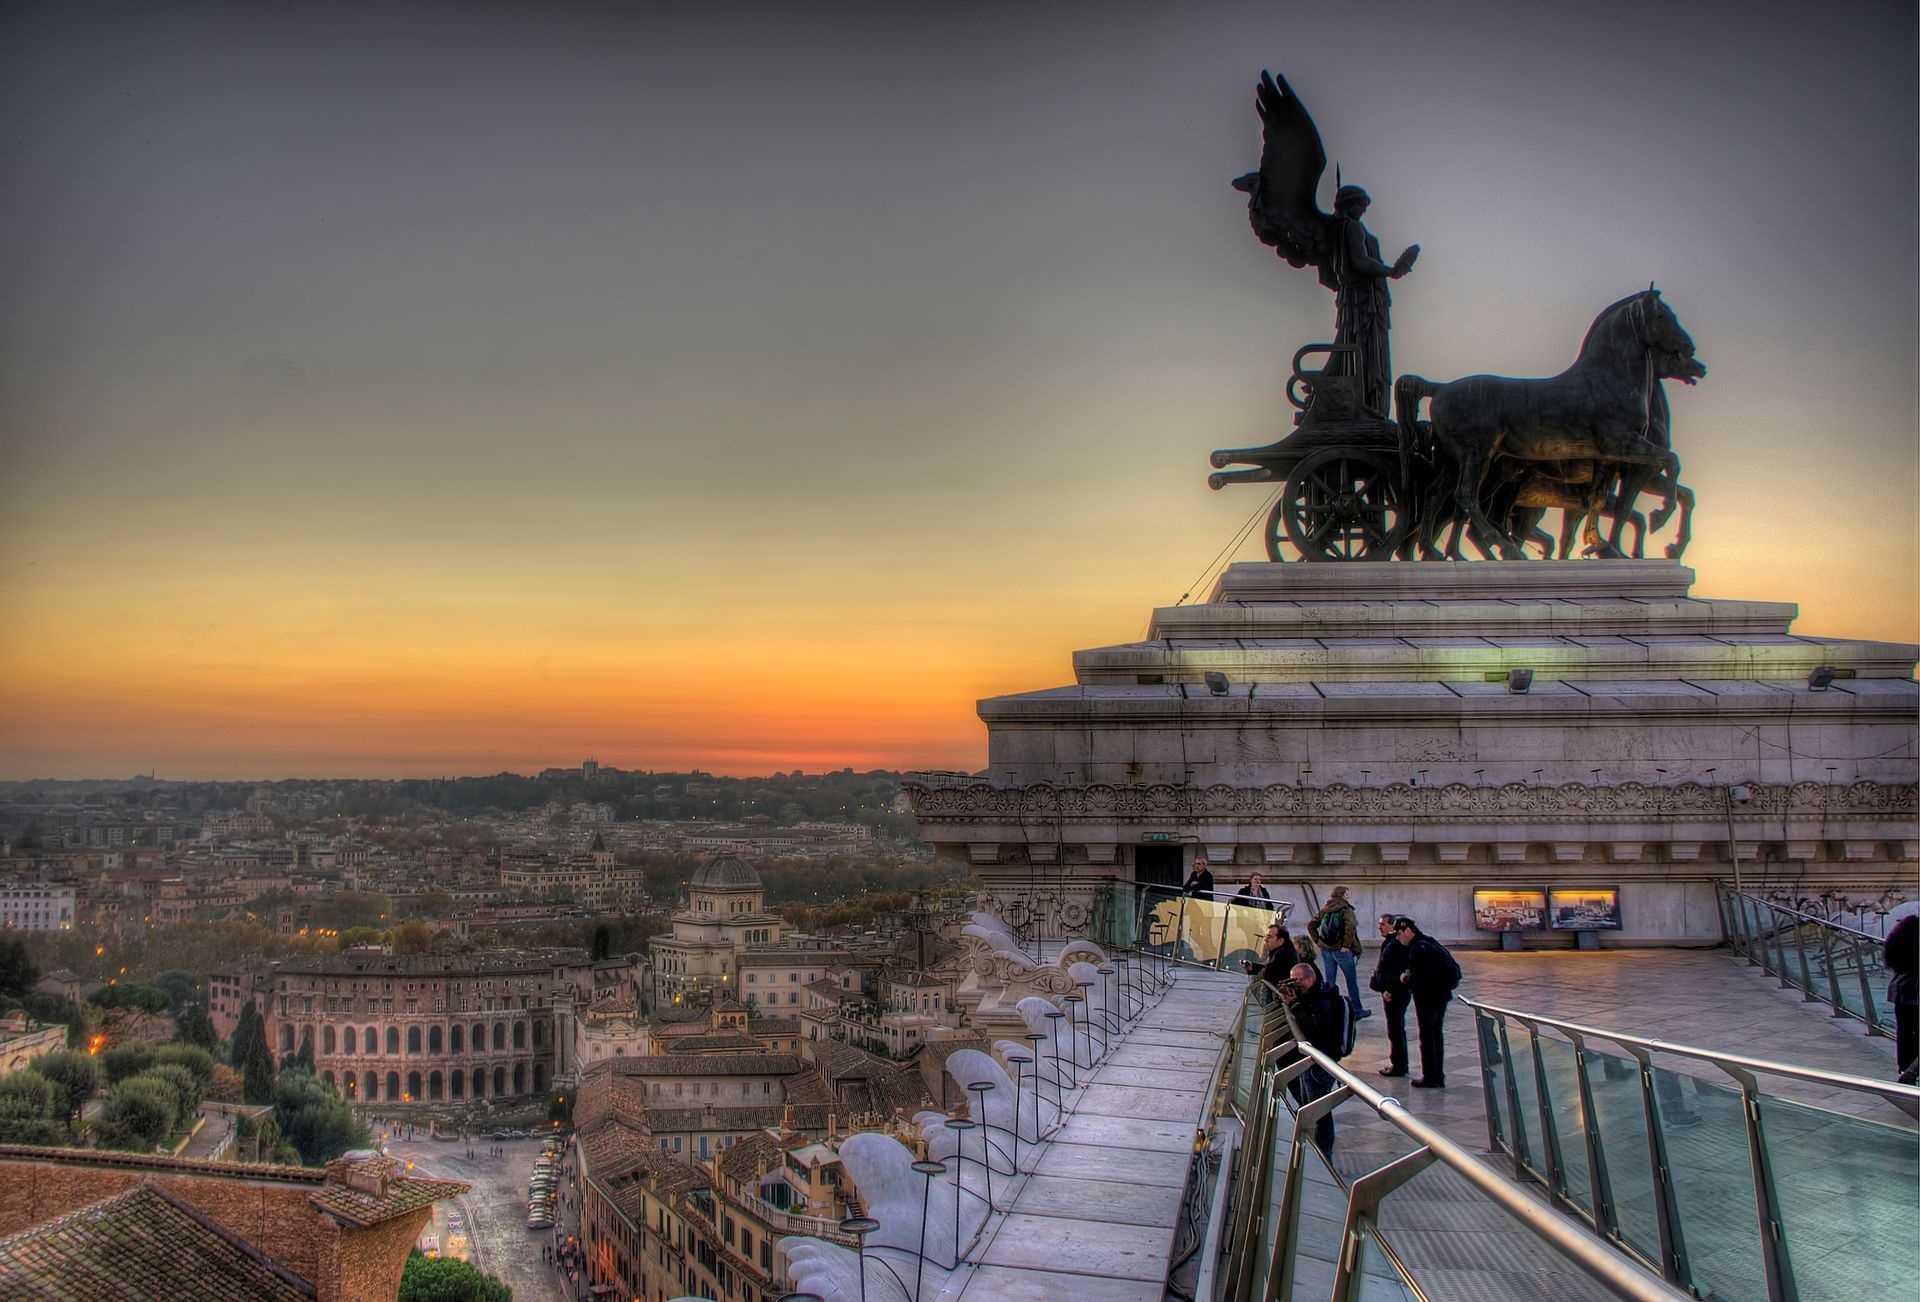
(1349, 492)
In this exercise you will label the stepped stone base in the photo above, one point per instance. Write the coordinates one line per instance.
(1367, 735)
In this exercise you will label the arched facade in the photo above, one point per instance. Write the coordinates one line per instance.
(432, 1026)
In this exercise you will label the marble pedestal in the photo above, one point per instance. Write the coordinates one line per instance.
(1368, 734)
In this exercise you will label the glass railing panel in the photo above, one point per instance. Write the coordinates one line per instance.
(1377, 1279)
(1266, 1230)
(1704, 1125)
(1849, 1195)
(1493, 1072)
(1850, 956)
(1244, 1075)
(1569, 1119)
(1323, 1218)
(1526, 1125)
(1614, 1080)
(1195, 929)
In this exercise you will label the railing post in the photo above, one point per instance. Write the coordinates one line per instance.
(1666, 1203)
(1280, 1278)
(1489, 1042)
(1600, 1187)
(1549, 1133)
(1806, 975)
(1781, 1286)
(1363, 1207)
(1827, 935)
(1522, 1157)
(1867, 1002)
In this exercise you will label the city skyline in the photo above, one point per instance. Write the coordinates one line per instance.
(411, 392)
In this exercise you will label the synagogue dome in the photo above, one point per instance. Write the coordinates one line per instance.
(726, 873)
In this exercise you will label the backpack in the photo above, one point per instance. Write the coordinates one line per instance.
(1330, 928)
(1349, 1027)
(1447, 964)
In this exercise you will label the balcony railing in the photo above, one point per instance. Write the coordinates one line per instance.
(1826, 960)
(1207, 931)
(1296, 1226)
(1694, 1163)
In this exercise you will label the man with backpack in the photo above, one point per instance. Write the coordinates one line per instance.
(1338, 936)
(1325, 1022)
(1431, 975)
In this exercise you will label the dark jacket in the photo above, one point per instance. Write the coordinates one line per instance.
(1321, 1014)
(1901, 951)
(1386, 972)
(1280, 963)
(1430, 969)
(1256, 896)
(1199, 882)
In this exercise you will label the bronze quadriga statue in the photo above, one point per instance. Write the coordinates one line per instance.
(1491, 455)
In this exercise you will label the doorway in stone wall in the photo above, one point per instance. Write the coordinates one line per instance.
(1158, 865)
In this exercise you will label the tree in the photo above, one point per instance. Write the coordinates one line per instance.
(128, 995)
(192, 1057)
(29, 1110)
(316, 1121)
(249, 1029)
(194, 1027)
(17, 972)
(602, 942)
(227, 1085)
(252, 1056)
(74, 1076)
(187, 1090)
(126, 1060)
(182, 988)
(411, 937)
(137, 1114)
(448, 1279)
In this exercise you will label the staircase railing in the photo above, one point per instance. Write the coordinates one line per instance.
(1826, 960)
(1302, 1228)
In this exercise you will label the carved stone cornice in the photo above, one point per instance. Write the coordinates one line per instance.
(981, 802)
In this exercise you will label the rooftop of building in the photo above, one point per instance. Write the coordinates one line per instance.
(367, 963)
(145, 1245)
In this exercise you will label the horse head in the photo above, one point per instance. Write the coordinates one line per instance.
(1666, 341)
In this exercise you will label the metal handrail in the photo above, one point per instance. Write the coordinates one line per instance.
(1609, 1268)
(1616, 1272)
(1804, 916)
(1810, 1075)
(1845, 956)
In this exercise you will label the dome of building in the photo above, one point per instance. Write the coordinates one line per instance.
(727, 873)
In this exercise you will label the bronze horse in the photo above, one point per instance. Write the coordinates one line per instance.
(1599, 422)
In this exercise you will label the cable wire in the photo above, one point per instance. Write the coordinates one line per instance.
(1232, 546)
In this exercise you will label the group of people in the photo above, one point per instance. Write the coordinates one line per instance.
(1413, 971)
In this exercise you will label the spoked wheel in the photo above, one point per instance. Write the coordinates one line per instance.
(1341, 504)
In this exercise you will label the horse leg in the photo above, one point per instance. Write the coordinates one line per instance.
(1678, 547)
(1468, 501)
(1569, 521)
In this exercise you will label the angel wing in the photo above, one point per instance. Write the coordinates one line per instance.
(1281, 201)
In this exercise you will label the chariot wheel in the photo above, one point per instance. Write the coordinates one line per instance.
(1341, 504)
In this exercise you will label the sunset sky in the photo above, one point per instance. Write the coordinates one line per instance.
(396, 389)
